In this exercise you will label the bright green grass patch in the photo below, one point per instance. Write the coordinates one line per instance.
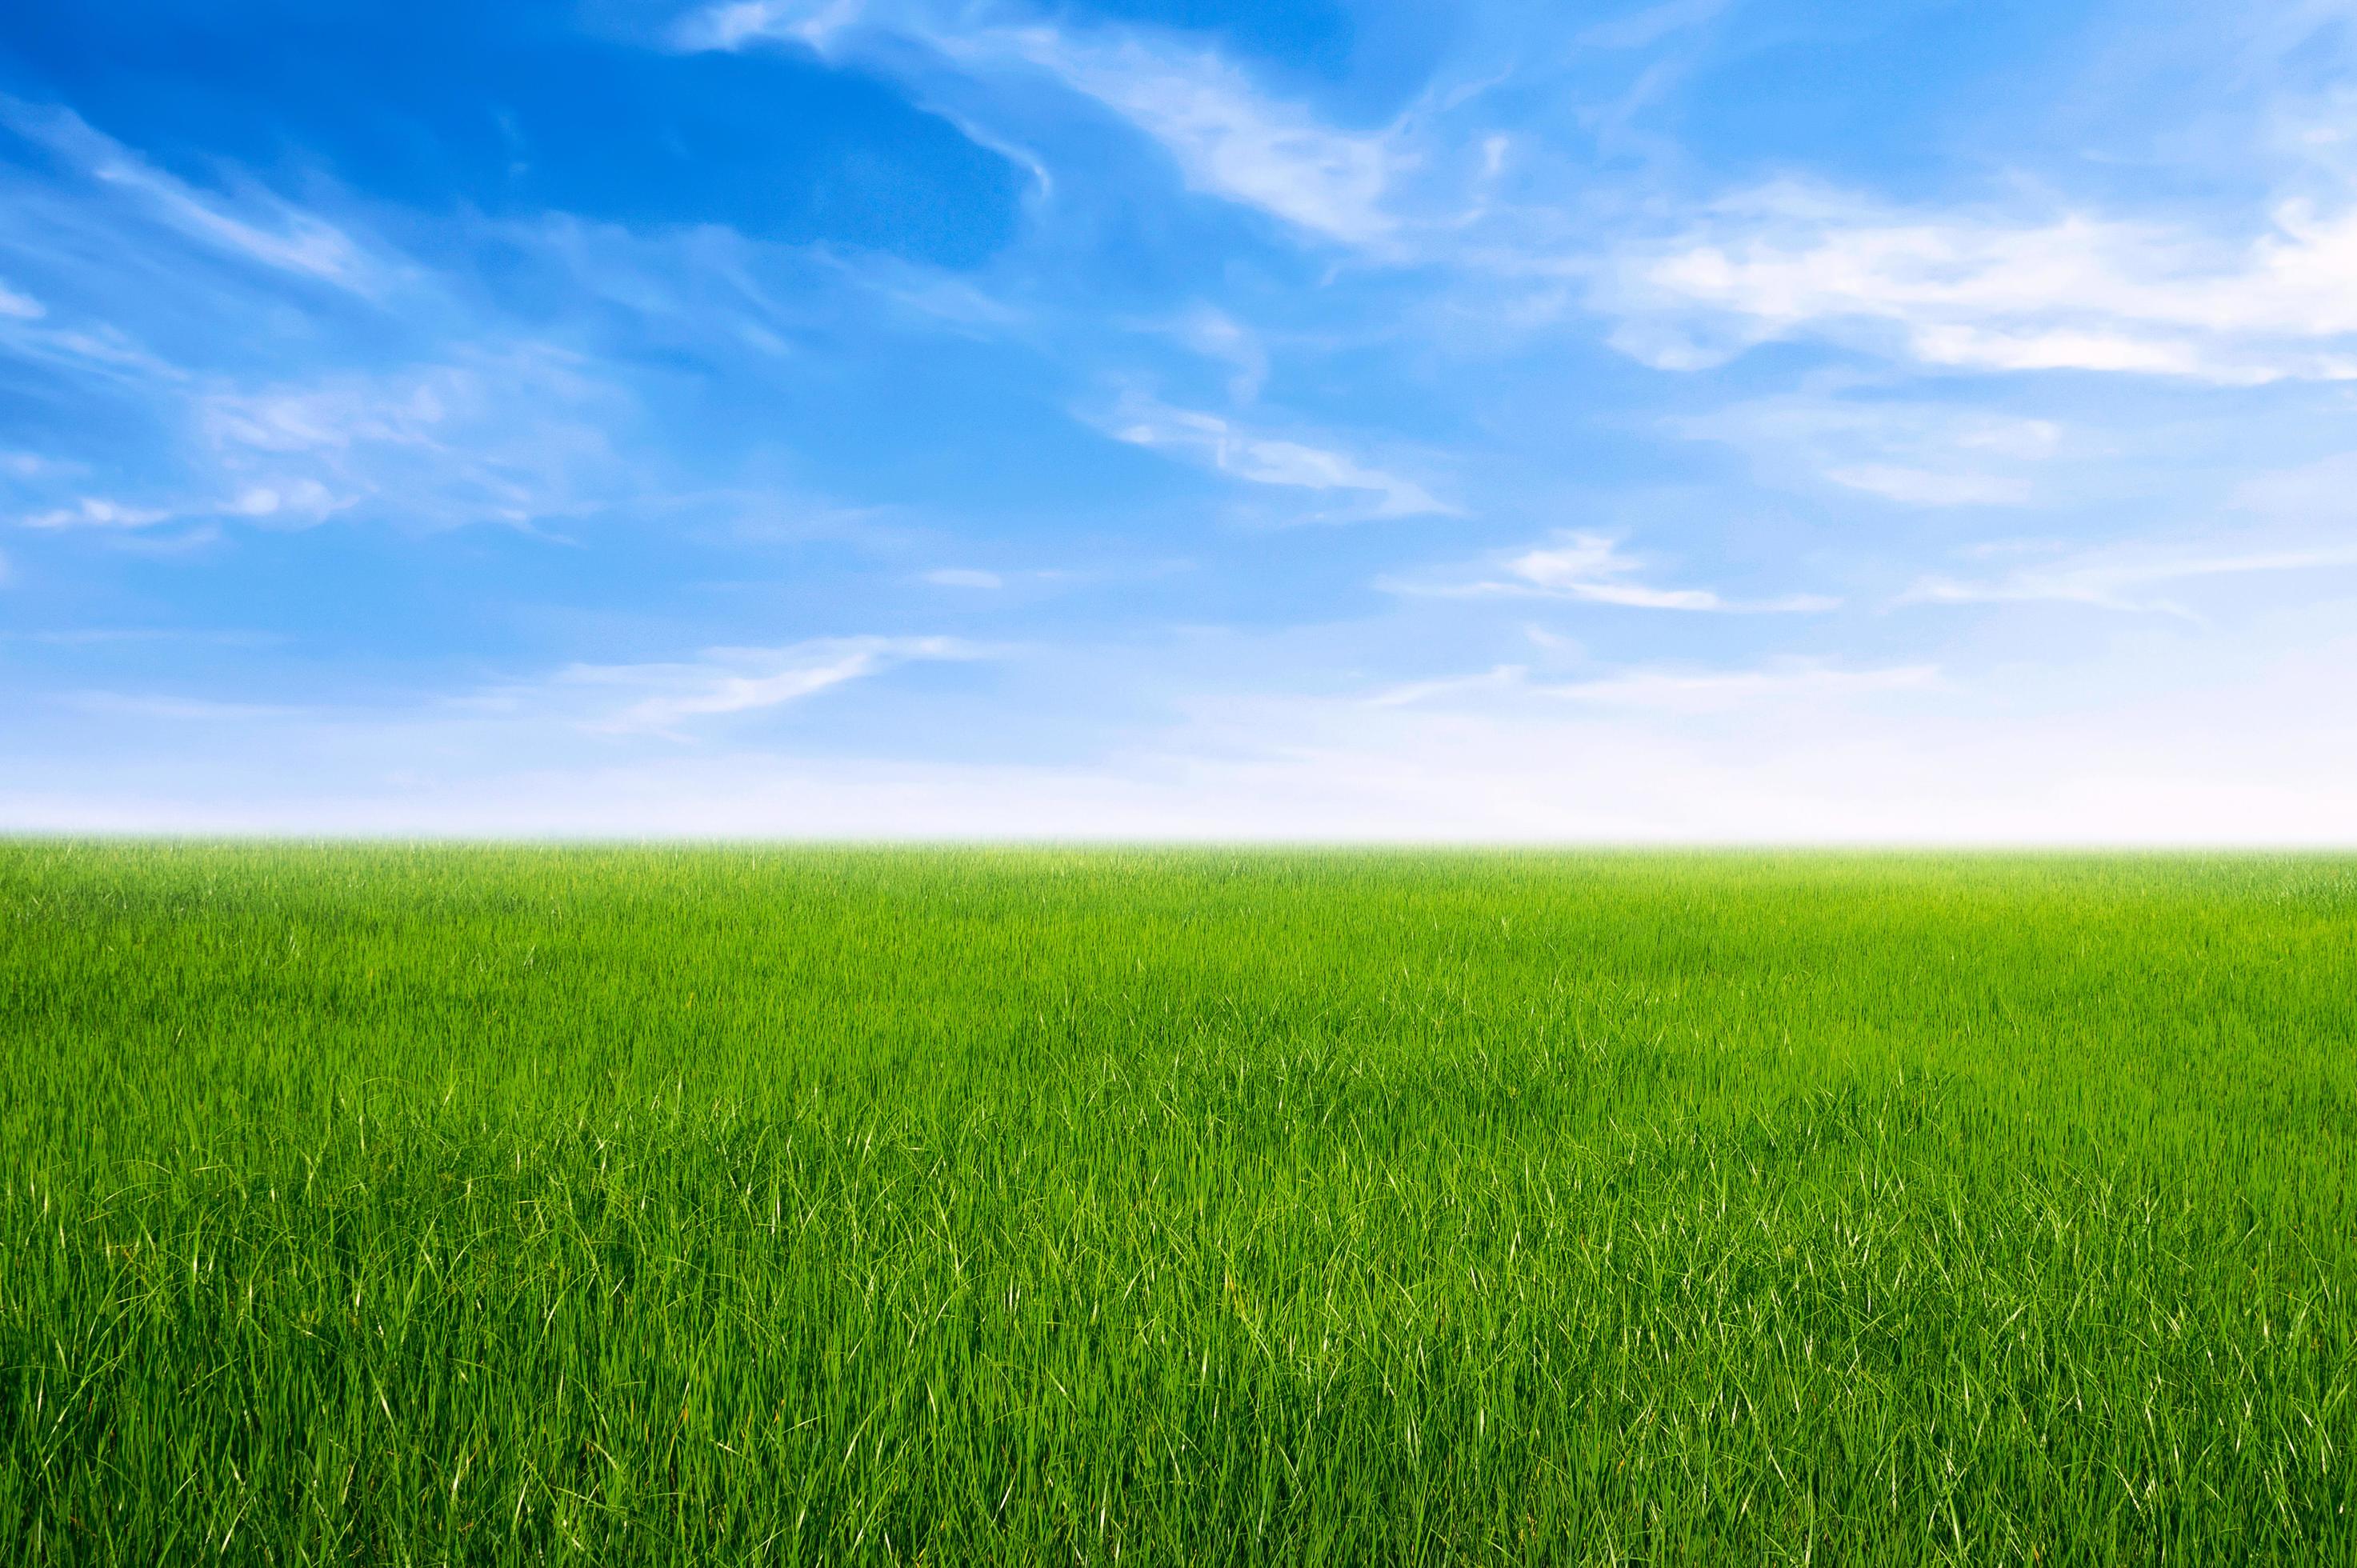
(399, 1205)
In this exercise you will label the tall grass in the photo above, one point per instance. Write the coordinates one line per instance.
(504, 1205)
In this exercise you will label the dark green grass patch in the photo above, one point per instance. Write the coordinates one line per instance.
(393, 1205)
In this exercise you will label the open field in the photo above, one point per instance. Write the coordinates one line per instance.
(407, 1205)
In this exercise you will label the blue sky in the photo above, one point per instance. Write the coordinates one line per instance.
(1708, 420)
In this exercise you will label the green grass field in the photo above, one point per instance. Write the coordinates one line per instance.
(427, 1205)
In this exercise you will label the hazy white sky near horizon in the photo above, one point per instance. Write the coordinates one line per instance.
(1705, 420)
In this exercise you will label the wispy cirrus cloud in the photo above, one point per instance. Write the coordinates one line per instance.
(668, 700)
(1994, 290)
(672, 698)
(1590, 568)
(1706, 690)
(2131, 577)
(1677, 691)
(518, 435)
(259, 227)
(395, 394)
(1228, 137)
(966, 577)
(1216, 335)
(736, 24)
(98, 511)
(1260, 457)
(1913, 453)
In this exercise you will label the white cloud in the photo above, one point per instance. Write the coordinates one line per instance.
(1265, 459)
(2122, 578)
(1994, 291)
(1498, 678)
(1228, 138)
(271, 232)
(1668, 691)
(300, 501)
(664, 698)
(19, 306)
(518, 436)
(302, 498)
(739, 23)
(101, 351)
(1714, 690)
(1917, 453)
(98, 511)
(1592, 569)
(331, 416)
(265, 401)
(965, 578)
(1216, 335)
(1590, 566)
(1921, 486)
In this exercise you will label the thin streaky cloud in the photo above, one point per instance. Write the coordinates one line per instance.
(1708, 691)
(1913, 453)
(1930, 487)
(965, 578)
(2112, 580)
(1262, 457)
(1994, 291)
(1496, 678)
(98, 511)
(734, 25)
(277, 234)
(1228, 138)
(1673, 691)
(1590, 568)
(668, 698)
(1216, 335)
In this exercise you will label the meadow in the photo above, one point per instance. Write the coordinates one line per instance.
(417, 1205)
